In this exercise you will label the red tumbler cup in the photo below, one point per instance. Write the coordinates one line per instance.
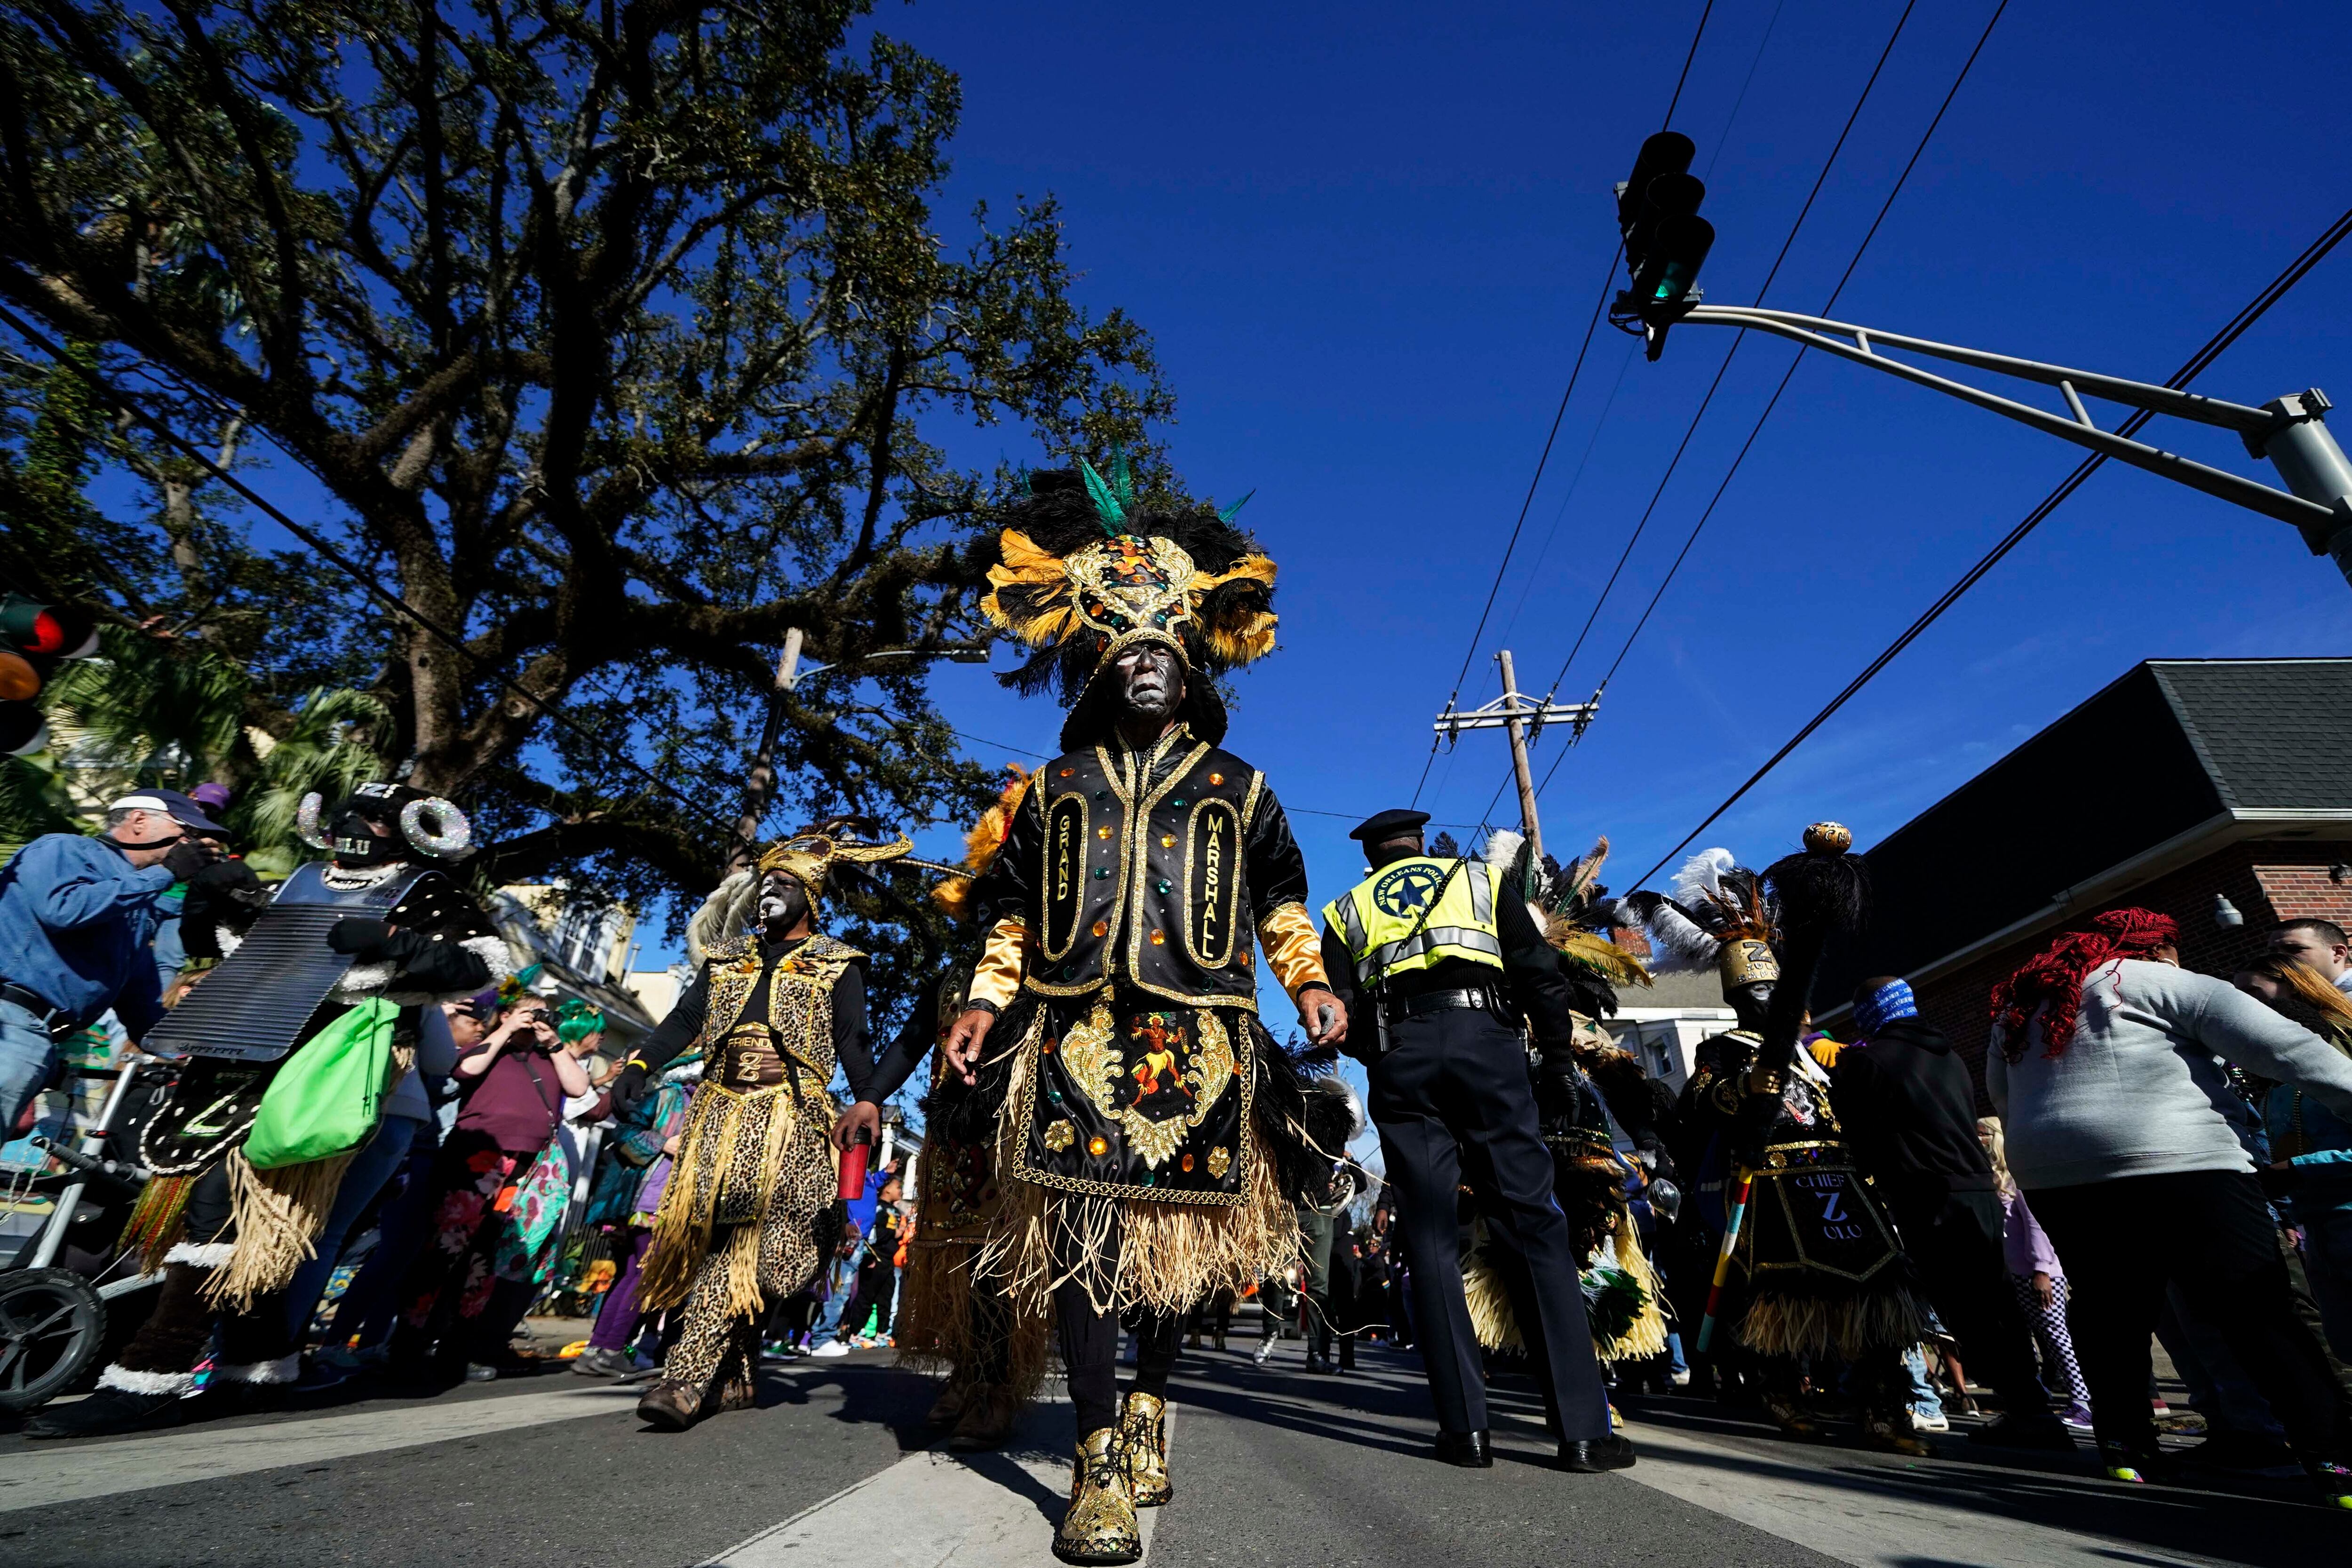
(854, 1156)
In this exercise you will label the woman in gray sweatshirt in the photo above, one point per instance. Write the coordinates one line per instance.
(2104, 1072)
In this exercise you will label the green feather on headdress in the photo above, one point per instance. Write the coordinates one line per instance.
(1114, 496)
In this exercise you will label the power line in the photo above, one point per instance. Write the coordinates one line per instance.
(1675, 102)
(1804, 212)
(2198, 362)
(1608, 281)
(1774, 401)
(1608, 278)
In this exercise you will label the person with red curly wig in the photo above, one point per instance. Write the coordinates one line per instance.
(2108, 1070)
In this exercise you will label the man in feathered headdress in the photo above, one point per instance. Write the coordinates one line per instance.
(1812, 1267)
(1152, 1135)
(775, 1005)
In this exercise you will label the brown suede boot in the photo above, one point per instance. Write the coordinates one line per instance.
(987, 1423)
(671, 1407)
(949, 1407)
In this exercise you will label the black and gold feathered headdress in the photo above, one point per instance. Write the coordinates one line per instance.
(1084, 570)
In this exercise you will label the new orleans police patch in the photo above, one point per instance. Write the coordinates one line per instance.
(1407, 889)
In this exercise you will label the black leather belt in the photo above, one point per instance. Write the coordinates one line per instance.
(52, 1018)
(1439, 1002)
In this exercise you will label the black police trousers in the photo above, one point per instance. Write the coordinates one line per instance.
(1452, 1103)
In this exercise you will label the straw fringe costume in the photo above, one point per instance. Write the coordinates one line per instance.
(952, 1319)
(1149, 1134)
(738, 1223)
(1817, 1270)
(227, 1235)
(1624, 1298)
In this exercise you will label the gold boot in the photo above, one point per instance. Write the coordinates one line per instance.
(1100, 1527)
(1143, 1427)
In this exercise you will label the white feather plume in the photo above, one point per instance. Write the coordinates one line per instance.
(724, 915)
(1503, 847)
(1677, 946)
(1702, 876)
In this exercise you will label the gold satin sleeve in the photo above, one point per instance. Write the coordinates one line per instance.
(1293, 951)
(997, 979)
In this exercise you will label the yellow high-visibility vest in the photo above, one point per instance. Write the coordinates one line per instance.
(1380, 917)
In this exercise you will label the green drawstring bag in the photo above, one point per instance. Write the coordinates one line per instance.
(328, 1098)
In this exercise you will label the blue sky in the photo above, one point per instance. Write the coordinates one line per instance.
(1367, 238)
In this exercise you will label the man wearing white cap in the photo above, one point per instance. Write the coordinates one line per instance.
(75, 916)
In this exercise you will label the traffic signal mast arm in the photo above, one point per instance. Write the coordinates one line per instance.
(2288, 430)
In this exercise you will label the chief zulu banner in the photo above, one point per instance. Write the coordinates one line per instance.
(1822, 1217)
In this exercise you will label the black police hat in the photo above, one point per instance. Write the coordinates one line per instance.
(1388, 825)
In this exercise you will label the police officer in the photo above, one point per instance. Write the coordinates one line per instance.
(1439, 962)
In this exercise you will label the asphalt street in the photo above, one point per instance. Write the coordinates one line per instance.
(1271, 1467)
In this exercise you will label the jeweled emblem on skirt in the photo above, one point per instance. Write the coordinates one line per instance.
(1157, 1075)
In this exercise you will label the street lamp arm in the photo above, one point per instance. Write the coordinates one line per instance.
(2317, 521)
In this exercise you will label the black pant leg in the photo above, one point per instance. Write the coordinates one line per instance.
(1512, 1179)
(1425, 1175)
(1956, 1248)
(1155, 1352)
(1091, 1357)
(2227, 1263)
(2116, 1282)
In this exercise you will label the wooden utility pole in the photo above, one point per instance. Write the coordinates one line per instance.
(760, 785)
(1517, 726)
(1513, 713)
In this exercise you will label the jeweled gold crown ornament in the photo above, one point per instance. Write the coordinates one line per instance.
(1828, 838)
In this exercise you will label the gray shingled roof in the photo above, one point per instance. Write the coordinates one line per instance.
(2271, 732)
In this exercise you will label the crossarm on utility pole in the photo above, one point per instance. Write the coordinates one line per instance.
(2318, 521)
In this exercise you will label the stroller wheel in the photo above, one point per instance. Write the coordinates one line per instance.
(51, 1325)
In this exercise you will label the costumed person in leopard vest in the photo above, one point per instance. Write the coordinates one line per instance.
(1811, 1268)
(291, 1046)
(1152, 1141)
(952, 1319)
(774, 1007)
(1598, 1113)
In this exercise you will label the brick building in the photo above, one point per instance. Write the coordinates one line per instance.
(2202, 788)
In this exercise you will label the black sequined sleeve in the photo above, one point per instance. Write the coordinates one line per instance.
(1008, 888)
(1278, 870)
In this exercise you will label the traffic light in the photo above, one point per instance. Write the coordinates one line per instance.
(1667, 241)
(34, 639)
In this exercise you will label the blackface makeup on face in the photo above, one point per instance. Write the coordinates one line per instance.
(782, 901)
(1751, 1001)
(1153, 681)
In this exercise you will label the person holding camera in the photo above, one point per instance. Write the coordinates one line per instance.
(77, 914)
(514, 1083)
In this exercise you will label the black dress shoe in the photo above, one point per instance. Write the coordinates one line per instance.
(1590, 1456)
(1471, 1450)
(106, 1412)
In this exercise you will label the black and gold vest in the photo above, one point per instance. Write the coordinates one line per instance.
(1142, 885)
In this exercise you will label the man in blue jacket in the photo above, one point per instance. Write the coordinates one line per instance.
(75, 916)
